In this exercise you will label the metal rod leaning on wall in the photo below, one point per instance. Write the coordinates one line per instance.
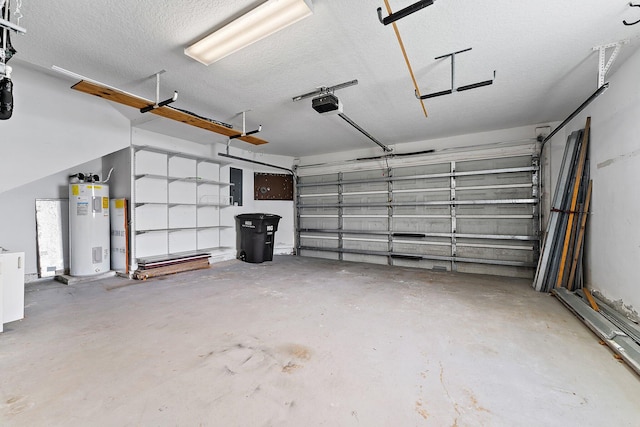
(589, 100)
(574, 200)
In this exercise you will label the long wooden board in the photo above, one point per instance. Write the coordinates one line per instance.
(130, 100)
(580, 241)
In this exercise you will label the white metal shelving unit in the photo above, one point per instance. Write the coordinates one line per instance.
(176, 203)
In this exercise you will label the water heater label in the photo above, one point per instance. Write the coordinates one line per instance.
(83, 206)
(75, 190)
(105, 203)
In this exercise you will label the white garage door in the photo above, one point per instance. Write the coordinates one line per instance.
(473, 211)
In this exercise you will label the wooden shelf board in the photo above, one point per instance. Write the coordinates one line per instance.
(168, 112)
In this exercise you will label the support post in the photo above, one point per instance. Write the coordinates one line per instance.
(452, 197)
(340, 217)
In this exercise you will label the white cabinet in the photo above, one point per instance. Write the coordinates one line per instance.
(177, 199)
(11, 286)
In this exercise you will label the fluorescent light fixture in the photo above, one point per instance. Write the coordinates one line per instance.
(266, 19)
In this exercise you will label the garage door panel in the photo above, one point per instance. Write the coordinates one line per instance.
(364, 187)
(369, 259)
(493, 179)
(421, 225)
(503, 227)
(323, 242)
(432, 169)
(363, 175)
(319, 254)
(407, 198)
(495, 193)
(427, 264)
(349, 242)
(473, 216)
(321, 223)
(490, 164)
(495, 211)
(368, 199)
(428, 248)
(428, 185)
(495, 270)
(364, 211)
(505, 255)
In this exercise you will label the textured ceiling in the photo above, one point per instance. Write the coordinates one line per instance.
(541, 51)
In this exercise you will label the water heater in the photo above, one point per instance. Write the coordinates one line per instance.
(89, 237)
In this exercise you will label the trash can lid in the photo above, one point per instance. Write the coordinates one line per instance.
(257, 216)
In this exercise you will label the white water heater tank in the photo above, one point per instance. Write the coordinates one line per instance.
(89, 237)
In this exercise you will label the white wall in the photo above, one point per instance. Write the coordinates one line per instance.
(18, 211)
(613, 234)
(54, 128)
(54, 131)
(285, 236)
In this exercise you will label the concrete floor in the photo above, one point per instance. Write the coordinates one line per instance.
(307, 342)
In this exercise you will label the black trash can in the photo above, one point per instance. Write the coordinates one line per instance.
(255, 235)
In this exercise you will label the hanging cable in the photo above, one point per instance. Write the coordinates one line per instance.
(108, 176)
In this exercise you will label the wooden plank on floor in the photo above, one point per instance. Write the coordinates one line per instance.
(592, 301)
(171, 269)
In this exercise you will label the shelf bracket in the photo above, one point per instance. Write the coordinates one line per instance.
(603, 64)
(403, 12)
(244, 130)
(159, 103)
(453, 79)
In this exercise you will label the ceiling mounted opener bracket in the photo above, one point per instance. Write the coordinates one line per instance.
(323, 90)
(631, 23)
(159, 103)
(403, 12)
(453, 79)
(603, 64)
